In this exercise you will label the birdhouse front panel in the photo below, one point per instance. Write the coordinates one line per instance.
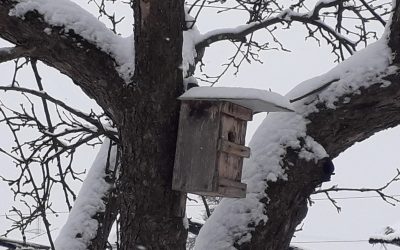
(210, 148)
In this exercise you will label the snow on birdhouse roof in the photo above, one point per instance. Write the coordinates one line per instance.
(255, 99)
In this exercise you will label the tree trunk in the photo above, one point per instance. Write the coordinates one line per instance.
(148, 122)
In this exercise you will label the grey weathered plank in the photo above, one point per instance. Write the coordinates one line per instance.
(236, 111)
(196, 152)
(233, 148)
(231, 188)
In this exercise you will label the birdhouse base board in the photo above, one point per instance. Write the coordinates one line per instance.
(227, 188)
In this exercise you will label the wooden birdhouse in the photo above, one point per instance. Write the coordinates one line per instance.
(211, 137)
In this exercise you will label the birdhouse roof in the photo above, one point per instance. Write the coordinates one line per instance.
(255, 99)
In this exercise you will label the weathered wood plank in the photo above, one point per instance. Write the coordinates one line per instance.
(196, 151)
(231, 188)
(233, 148)
(237, 111)
(229, 166)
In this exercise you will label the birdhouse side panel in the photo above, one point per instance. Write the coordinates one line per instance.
(196, 151)
(231, 188)
(231, 149)
(229, 166)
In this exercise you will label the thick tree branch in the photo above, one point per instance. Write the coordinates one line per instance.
(374, 109)
(89, 67)
(357, 114)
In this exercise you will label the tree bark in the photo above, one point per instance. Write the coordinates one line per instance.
(148, 128)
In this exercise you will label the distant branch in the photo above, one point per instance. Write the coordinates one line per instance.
(380, 191)
(286, 16)
(109, 132)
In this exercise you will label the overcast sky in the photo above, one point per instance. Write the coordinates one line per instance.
(367, 164)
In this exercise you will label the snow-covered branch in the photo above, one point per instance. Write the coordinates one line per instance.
(286, 16)
(289, 150)
(73, 41)
(86, 219)
(389, 235)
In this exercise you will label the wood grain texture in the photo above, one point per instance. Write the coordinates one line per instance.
(196, 149)
(210, 148)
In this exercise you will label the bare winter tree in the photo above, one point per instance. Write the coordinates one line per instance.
(136, 82)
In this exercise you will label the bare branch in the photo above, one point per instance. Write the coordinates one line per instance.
(112, 133)
(286, 16)
(370, 9)
(208, 212)
(380, 191)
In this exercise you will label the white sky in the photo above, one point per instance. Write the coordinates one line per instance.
(367, 164)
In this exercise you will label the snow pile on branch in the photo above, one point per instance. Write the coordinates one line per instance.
(390, 234)
(234, 220)
(229, 223)
(70, 16)
(81, 227)
(359, 71)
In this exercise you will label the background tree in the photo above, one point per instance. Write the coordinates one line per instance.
(136, 81)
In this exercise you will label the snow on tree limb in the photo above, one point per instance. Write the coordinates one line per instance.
(82, 225)
(281, 133)
(70, 16)
(389, 235)
(88, 66)
(269, 144)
